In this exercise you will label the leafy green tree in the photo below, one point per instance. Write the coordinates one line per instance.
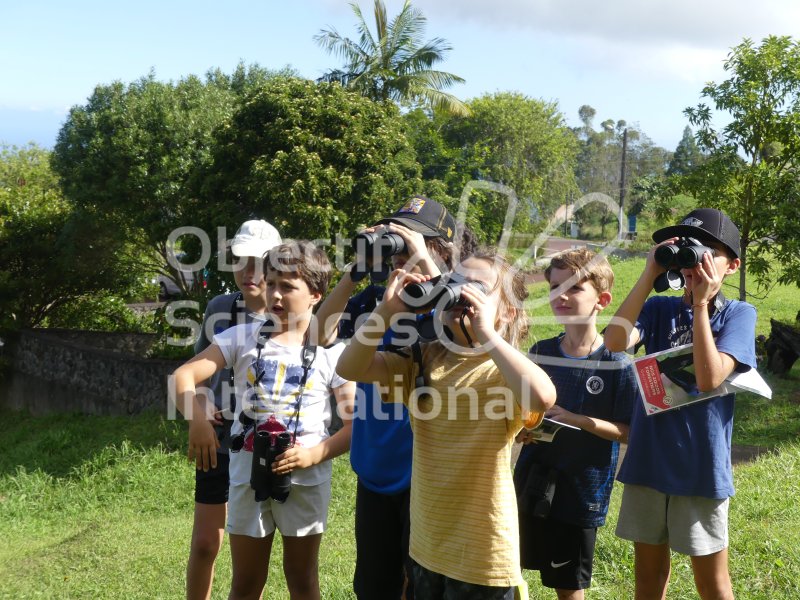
(751, 170)
(312, 158)
(687, 155)
(127, 157)
(395, 63)
(599, 165)
(510, 139)
(50, 254)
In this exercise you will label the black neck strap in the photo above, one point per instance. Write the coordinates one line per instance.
(308, 354)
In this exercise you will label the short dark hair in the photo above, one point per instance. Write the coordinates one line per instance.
(304, 258)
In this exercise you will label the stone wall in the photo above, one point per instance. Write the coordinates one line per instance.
(57, 370)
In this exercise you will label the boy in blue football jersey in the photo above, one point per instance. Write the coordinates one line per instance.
(564, 486)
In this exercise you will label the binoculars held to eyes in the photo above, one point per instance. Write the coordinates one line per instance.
(375, 246)
(686, 253)
(442, 292)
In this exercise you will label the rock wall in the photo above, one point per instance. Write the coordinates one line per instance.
(101, 373)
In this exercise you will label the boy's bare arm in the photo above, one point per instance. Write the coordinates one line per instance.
(203, 442)
(608, 430)
(711, 366)
(327, 316)
(620, 333)
(526, 380)
(360, 361)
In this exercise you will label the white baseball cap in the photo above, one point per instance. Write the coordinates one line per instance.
(255, 238)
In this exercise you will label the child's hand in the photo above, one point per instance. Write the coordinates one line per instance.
(397, 281)
(651, 267)
(482, 313)
(203, 444)
(705, 280)
(296, 457)
(561, 415)
(415, 242)
(526, 437)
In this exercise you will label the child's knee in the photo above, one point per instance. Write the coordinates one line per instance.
(301, 576)
(206, 545)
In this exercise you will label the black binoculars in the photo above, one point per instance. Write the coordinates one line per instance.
(237, 441)
(442, 292)
(266, 483)
(686, 253)
(374, 247)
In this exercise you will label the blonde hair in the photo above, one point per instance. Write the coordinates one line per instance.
(587, 265)
(513, 293)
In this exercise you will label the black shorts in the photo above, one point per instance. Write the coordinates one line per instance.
(435, 586)
(561, 552)
(211, 487)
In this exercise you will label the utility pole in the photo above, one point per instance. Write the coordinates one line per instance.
(622, 224)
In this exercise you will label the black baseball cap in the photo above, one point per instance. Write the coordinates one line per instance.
(424, 216)
(704, 223)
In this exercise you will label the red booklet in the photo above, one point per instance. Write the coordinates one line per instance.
(667, 380)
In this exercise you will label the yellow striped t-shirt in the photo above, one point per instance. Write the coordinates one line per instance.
(463, 506)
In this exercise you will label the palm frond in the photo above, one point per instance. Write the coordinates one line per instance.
(333, 43)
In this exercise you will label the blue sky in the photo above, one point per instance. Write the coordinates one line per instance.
(642, 61)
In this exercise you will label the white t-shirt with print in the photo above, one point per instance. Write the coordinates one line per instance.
(273, 401)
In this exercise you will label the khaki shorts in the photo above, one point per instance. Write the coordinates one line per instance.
(691, 525)
(305, 511)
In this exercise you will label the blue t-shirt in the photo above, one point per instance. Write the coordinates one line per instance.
(687, 451)
(381, 442)
(602, 386)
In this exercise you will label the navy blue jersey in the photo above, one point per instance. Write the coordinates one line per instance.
(601, 386)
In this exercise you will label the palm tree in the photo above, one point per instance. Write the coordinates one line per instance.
(395, 64)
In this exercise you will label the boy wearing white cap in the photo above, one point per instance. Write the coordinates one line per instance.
(251, 242)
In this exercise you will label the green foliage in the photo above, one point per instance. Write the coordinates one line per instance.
(313, 159)
(396, 63)
(99, 312)
(751, 169)
(173, 325)
(519, 142)
(50, 254)
(687, 155)
(599, 170)
(126, 158)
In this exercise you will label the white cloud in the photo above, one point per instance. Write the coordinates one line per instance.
(694, 23)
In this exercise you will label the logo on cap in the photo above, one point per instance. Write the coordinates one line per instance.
(413, 206)
(693, 222)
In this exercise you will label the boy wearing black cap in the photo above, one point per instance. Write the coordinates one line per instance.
(677, 470)
(380, 450)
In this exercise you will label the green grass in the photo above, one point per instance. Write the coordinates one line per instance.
(81, 517)
(101, 507)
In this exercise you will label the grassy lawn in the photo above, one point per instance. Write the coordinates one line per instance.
(101, 507)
